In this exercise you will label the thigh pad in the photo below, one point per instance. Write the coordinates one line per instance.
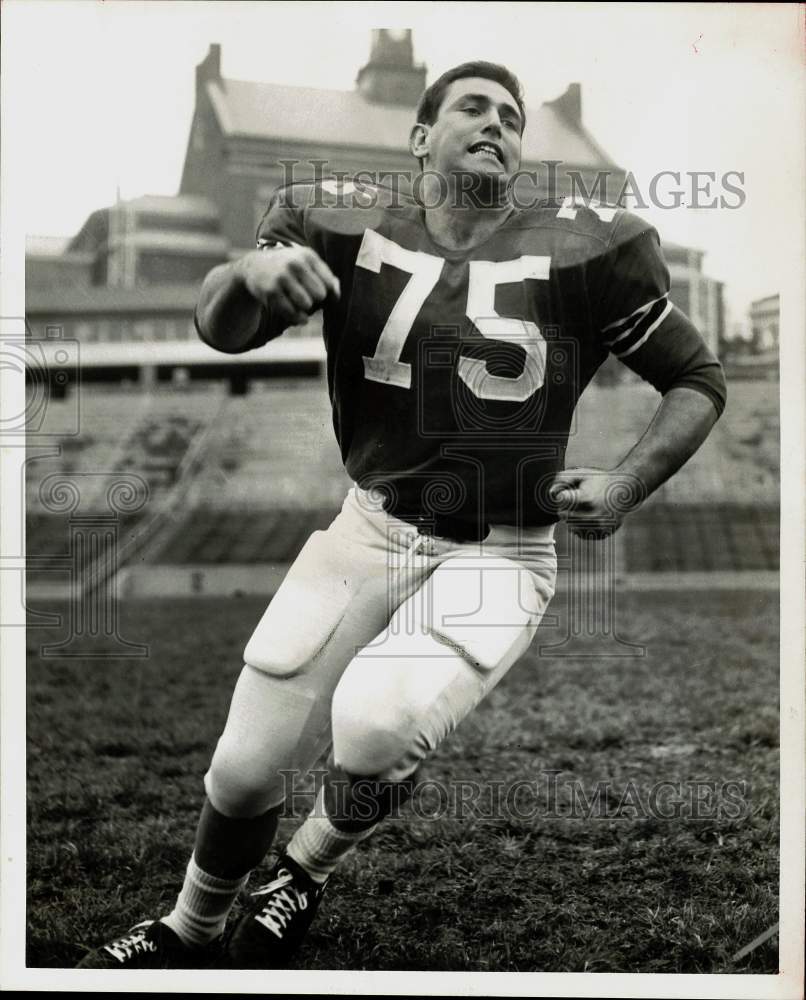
(485, 608)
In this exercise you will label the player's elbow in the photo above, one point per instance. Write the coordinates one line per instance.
(227, 318)
(710, 380)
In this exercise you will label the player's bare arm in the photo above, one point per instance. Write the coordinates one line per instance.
(289, 283)
(681, 424)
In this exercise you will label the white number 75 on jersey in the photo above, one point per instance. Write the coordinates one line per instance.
(385, 364)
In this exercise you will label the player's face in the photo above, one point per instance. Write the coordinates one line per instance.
(478, 130)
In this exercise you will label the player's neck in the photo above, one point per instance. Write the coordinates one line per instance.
(464, 227)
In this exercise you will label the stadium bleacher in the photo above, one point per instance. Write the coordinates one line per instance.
(694, 538)
(250, 537)
(244, 480)
(274, 448)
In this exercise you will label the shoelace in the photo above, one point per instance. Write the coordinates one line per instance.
(132, 943)
(283, 905)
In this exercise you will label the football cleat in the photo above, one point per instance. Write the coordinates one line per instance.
(151, 945)
(277, 919)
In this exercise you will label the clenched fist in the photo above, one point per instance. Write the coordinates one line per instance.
(594, 502)
(292, 282)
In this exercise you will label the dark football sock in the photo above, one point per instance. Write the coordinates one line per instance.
(226, 850)
(318, 846)
(346, 811)
(357, 803)
(228, 847)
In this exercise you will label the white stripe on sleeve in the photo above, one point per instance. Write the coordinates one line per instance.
(648, 334)
(638, 313)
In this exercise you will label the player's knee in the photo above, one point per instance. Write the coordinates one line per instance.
(270, 730)
(238, 786)
(399, 698)
(392, 708)
(374, 725)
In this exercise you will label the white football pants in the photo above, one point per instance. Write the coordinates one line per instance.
(380, 640)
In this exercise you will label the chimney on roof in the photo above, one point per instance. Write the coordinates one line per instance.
(569, 104)
(391, 75)
(210, 67)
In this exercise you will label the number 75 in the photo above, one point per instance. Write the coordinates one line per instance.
(385, 364)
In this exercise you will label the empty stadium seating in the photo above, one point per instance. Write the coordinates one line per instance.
(246, 479)
(274, 448)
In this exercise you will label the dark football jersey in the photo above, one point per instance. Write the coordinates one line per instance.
(454, 375)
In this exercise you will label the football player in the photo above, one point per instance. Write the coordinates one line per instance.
(460, 332)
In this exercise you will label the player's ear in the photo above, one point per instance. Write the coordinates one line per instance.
(419, 140)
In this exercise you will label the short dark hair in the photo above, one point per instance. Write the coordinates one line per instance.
(431, 101)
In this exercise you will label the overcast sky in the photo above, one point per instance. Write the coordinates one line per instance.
(101, 95)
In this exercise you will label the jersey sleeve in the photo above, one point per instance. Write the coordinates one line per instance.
(639, 324)
(283, 223)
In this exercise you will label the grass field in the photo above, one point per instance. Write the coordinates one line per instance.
(116, 751)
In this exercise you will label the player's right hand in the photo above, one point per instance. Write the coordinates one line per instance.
(293, 282)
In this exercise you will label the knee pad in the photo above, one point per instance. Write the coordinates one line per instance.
(443, 650)
(275, 728)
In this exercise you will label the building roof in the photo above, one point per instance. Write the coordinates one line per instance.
(345, 118)
(768, 302)
(174, 205)
(95, 230)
